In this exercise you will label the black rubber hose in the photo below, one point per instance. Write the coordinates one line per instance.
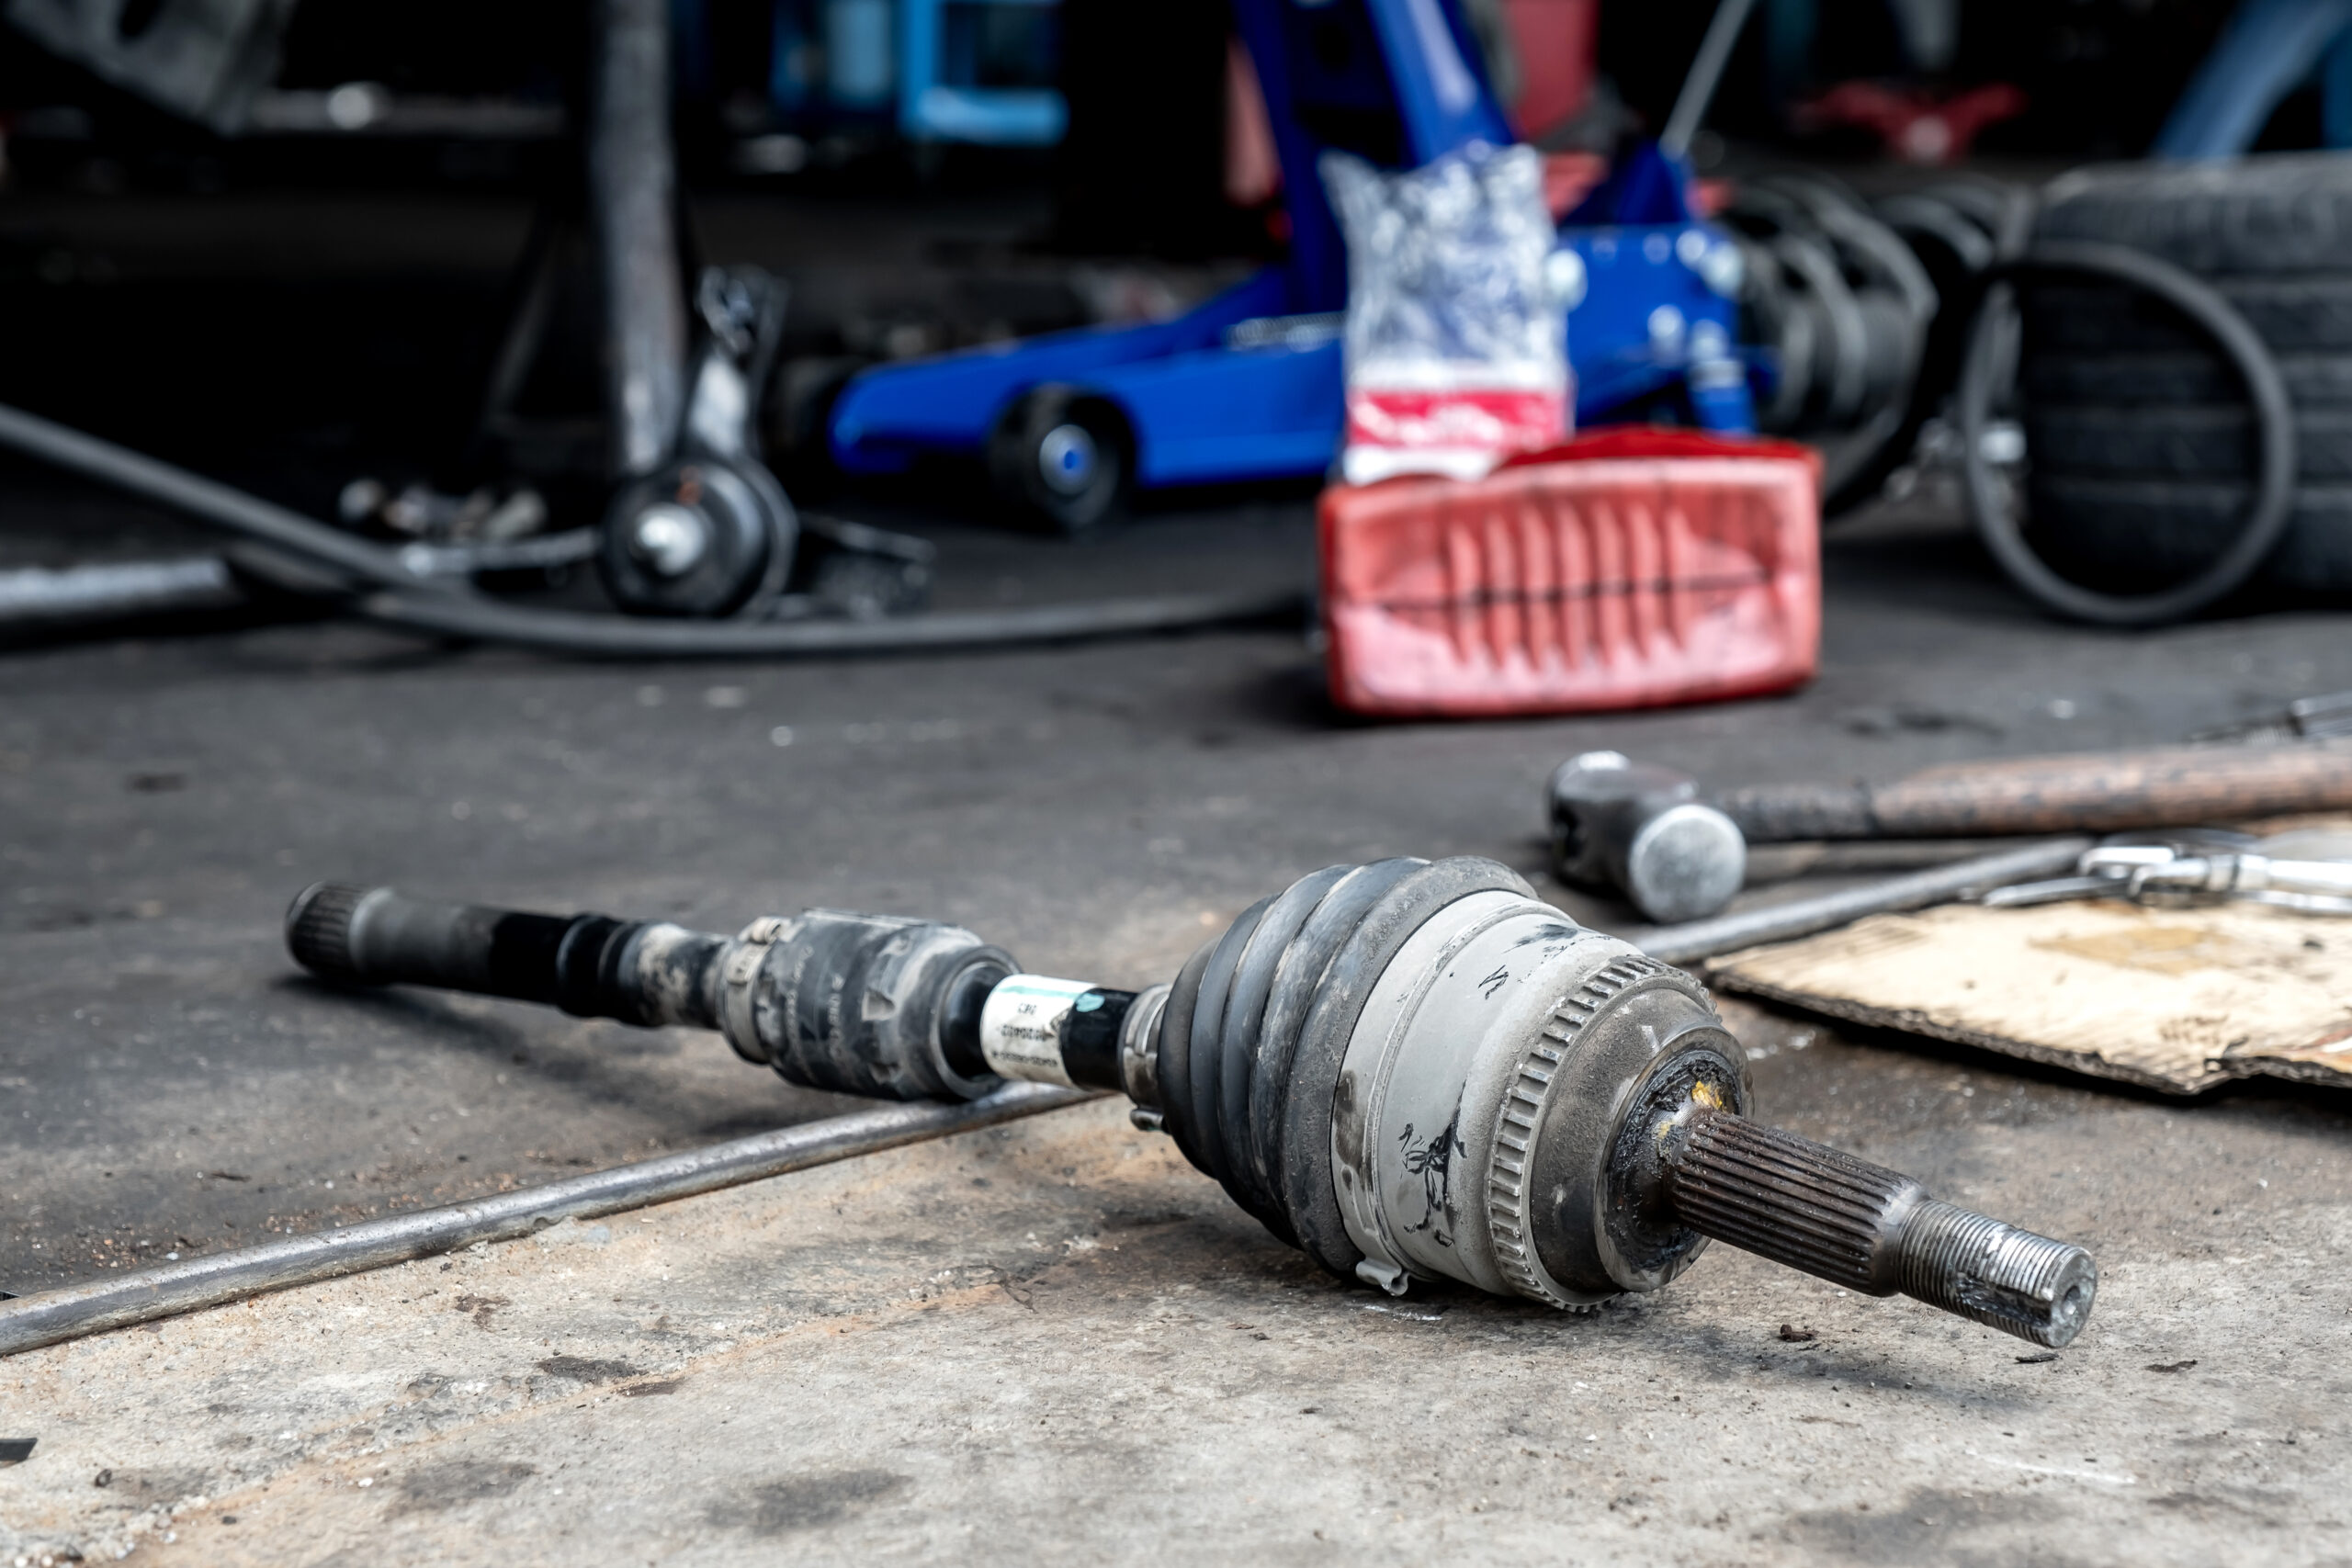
(443, 608)
(613, 637)
(222, 505)
(1995, 519)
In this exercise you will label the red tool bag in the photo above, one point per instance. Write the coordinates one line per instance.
(1630, 567)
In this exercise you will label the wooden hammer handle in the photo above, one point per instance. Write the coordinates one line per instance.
(2098, 792)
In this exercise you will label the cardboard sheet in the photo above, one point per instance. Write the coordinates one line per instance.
(2178, 1000)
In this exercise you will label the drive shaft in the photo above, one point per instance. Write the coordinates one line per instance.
(1411, 1070)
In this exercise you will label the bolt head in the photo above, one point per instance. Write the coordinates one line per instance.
(669, 540)
(1723, 269)
(1565, 278)
(1066, 458)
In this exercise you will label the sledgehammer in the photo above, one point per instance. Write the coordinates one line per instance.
(1680, 853)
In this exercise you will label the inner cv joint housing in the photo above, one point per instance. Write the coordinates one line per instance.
(1491, 1081)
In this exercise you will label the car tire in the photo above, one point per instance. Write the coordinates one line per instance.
(2179, 441)
(2140, 530)
(2143, 448)
(2262, 215)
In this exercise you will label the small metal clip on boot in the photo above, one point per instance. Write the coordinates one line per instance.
(1409, 1070)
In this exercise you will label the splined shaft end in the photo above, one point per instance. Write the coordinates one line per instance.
(1870, 1229)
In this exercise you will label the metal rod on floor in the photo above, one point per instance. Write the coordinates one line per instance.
(1802, 916)
(46, 1317)
(105, 588)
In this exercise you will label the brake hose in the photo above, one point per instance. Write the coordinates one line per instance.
(387, 591)
(1994, 512)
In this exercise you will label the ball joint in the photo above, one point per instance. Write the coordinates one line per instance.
(1408, 1070)
(705, 536)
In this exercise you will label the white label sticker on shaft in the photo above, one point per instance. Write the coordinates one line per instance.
(1020, 1027)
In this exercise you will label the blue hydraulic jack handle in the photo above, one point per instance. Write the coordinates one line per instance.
(1423, 68)
(1660, 312)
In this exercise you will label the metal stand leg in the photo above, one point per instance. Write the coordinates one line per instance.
(632, 214)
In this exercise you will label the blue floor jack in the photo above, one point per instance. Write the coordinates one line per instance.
(1248, 386)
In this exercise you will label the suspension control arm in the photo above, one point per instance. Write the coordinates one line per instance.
(1408, 1070)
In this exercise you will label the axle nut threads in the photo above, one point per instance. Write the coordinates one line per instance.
(1998, 1275)
(1871, 1229)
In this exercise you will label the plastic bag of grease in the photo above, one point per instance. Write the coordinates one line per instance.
(1456, 347)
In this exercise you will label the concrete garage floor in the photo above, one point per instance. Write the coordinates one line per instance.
(1052, 1341)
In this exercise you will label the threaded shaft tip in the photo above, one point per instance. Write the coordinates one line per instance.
(318, 928)
(1997, 1274)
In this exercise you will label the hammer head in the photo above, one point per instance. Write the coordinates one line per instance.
(1640, 830)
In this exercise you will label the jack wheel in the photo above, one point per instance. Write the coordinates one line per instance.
(1063, 459)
